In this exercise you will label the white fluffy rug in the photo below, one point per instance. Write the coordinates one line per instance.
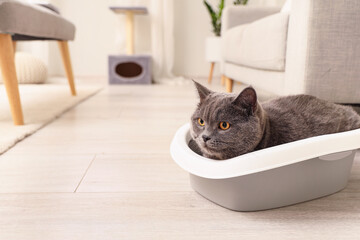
(41, 104)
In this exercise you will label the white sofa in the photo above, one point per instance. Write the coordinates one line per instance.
(314, 48)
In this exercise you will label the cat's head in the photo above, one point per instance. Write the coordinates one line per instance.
(226, 125)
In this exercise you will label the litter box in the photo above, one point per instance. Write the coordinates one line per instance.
(273, 177)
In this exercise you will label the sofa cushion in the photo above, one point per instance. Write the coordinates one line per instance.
(260, 44)
(32, 20)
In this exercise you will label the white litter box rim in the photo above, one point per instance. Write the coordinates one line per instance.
(261, 160)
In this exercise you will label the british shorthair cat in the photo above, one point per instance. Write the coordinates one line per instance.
(226, 125)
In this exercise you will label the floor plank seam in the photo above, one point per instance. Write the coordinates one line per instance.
(86, 171)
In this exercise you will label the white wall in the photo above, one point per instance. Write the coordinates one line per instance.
(98, 31)
(192, 26)
(97, 35)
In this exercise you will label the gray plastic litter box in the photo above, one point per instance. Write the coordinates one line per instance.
(274, 177)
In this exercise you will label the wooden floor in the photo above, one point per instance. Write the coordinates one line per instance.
(103, 171)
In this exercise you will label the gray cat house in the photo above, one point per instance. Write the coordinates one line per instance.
(273, 177)
(124, 69)
(129, 68)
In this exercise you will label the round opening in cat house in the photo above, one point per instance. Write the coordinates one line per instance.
(128, 69)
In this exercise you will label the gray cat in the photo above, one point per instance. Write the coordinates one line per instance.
(228, 125)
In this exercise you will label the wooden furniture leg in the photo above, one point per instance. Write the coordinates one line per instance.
(211, 72)
(223, 80)
(129, 32)
(7, 65)
(14, 46)
(229, 84)
(65, 53)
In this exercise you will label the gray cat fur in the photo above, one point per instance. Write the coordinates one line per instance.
(255, 126)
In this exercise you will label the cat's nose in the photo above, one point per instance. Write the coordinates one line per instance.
(206, 138)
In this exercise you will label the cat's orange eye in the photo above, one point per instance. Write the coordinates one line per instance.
(224, 125)
(201, 122)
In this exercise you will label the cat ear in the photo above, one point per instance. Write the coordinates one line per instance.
(203, 91)
(247, 99)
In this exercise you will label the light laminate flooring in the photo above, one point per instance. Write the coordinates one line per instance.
(103, 171)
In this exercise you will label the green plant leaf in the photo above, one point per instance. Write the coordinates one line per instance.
(240, 2)
(221, 7)
(215, 16)
(210, 9)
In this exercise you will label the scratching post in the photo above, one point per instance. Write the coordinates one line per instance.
(129, 32)
(130, 68)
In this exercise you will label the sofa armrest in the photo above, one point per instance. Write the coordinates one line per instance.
(323, 53)
(237, 15)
